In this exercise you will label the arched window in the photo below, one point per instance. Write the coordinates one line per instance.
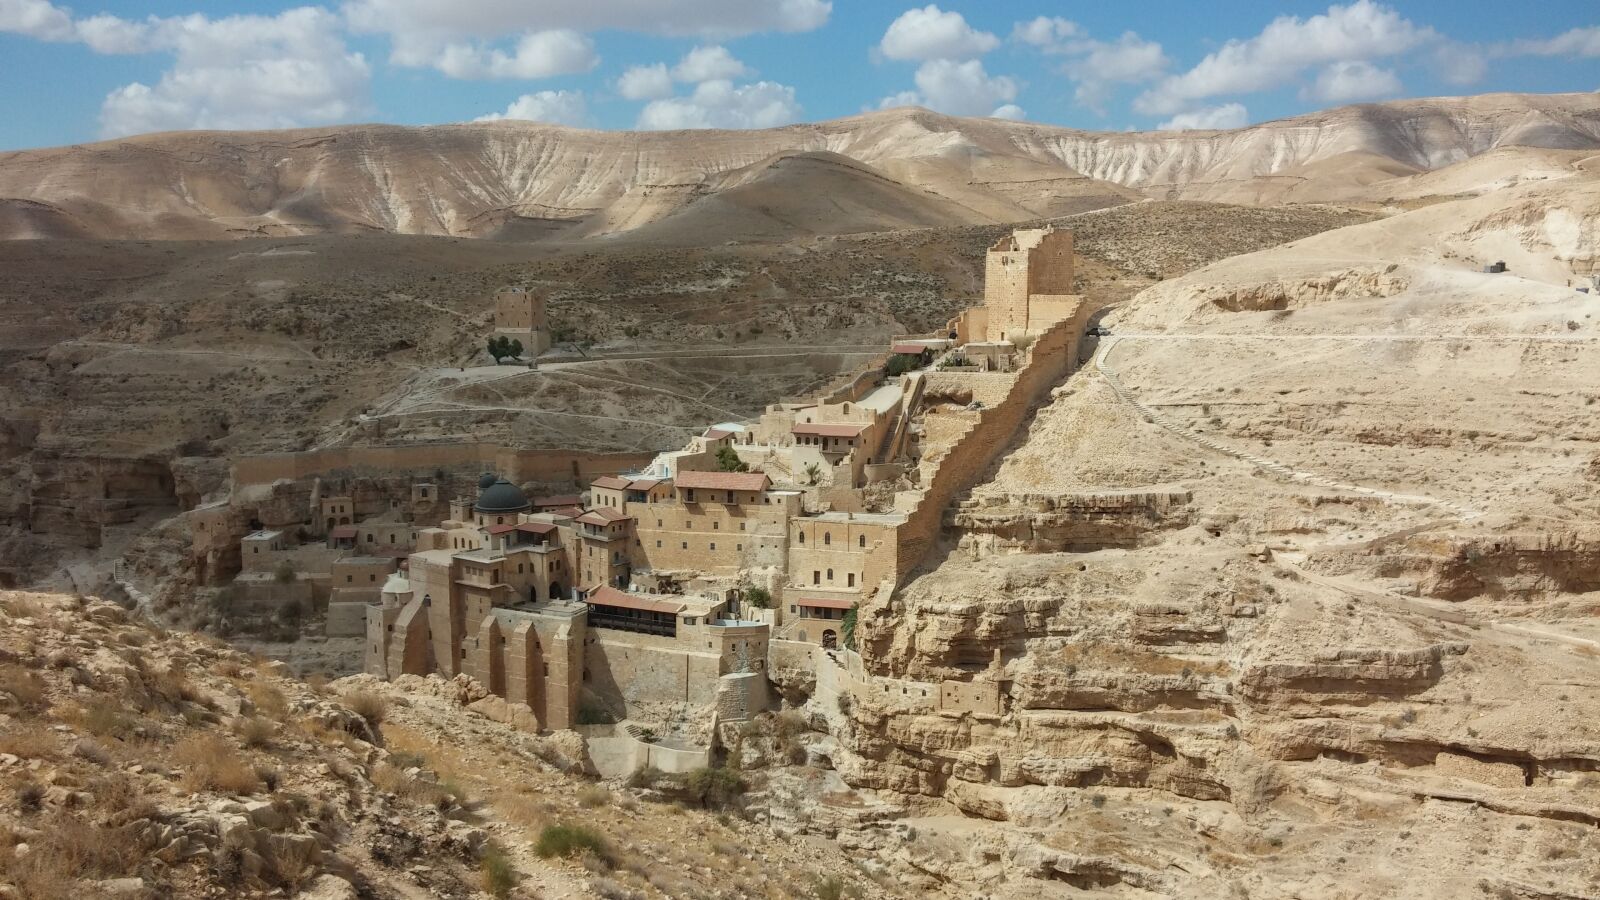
(861, 541)
(830, 574)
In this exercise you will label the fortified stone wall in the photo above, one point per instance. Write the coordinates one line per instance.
(517, 465)
(1053, 357)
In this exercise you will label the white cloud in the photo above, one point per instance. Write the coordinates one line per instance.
(1009, 111)
(709, 64)
(556, 107)
(1459, 64)
(1048, 33)
(1349, 81)
(958, 88)
(1362, 30)
(538, 54)
(37, 19)
(719, 104)
(242, 72)
(1577, 42)
(422, 26)
(931, 33)
(645, 82)
(1228, 115)
(904, 98)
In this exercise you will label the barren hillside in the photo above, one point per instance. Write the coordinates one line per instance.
(521, 180)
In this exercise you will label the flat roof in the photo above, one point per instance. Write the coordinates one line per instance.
(658, 603)
(262, 535)
(364, 561)
(825, 603)
(840, 430)
(846, 518)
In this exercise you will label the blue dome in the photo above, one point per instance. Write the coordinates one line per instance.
(487, 479)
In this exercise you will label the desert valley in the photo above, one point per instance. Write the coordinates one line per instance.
(898, 505)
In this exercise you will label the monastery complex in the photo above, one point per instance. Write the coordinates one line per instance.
(673, 584)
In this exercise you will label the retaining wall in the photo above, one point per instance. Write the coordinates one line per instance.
(517, 465)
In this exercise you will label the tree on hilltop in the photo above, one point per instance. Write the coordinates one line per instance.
(501, 347)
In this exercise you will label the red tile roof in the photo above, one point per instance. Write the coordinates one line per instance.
(343, 531)
(843, 431)
(569, 512)
(602, 516)
(716, 434)
(912, 349)
(643, 484)
(723, 481)
(536, 527)
(500, 529)
(610, 596)
(560, 500)
(609, 482)
(825, 603)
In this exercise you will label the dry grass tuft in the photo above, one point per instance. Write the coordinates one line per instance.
(268, 699)
(28, 743)
(593, 795)
(367, 705)
(26, 686)
(256, 733)
(210, 763)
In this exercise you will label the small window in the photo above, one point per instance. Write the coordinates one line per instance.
(802, 537)
(816, 577)
(861, 541)
(685, 545)
(830, 574)
(713, 545)
(850, 580)
(349, 578)
(827, 538)
(658, 545)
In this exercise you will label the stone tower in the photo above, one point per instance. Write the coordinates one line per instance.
(519, 313)
(1028, 282)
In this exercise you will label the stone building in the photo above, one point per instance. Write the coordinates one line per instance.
(638, 592)
(520, 314)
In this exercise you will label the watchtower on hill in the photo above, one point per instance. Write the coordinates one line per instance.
(520, 314)
(1028, 282)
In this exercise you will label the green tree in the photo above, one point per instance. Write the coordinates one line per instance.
(713, 788)
(728, 460)
(514, 349)
(498, 348)
(847, 627)
(758, 597)
(813, 472)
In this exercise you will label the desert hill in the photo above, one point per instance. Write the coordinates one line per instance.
(522, 179)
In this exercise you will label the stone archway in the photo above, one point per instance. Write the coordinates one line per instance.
(830, 639)
(556, 592)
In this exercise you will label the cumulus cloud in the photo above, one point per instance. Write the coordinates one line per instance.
(645, 82)
(709, 64)
(413, 24)
(556, 107)
(1348, 81)
(37, 19)
(1094, 66)
(245, 72)
(960, 89)
(1459, 64)
(538, 54)
(1584, 42)
(931, 33)
(1228, 115)
(1048, 33)
(719, 104)
(1363, 30)
(1009, 111)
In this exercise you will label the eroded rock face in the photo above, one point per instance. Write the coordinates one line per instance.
(1284, 295)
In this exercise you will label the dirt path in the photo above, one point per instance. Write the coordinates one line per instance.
(1103, 367)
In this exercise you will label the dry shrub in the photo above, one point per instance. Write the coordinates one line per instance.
(26, 686)
(68, 847)
(105, 717)
(418, 790)
(210, 763)
(22, 608)
(570, 841)
(367, 705)
(593, 795)
(268, 699)
(171, 688)
(28, 743)
(256, 732)
(291, 864)
(499, 877)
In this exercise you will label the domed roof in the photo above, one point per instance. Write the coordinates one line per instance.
(502, 496)
(487, 479)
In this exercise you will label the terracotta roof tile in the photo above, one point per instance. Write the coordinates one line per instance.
(500, 529)
(560, 500)
(343, 531)
(643, 484)
(716, 434)
(603, 516)
(609, 482)
(610, 596)
(723, 481)
(912, 349)
(536, 527)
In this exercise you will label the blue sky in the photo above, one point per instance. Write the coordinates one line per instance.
(93, 69)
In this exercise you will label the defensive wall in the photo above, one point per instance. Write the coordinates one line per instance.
(1053, 356)
(515, 464)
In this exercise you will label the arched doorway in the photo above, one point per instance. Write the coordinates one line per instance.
(555, 590)
(331, 522)
(830, 639)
